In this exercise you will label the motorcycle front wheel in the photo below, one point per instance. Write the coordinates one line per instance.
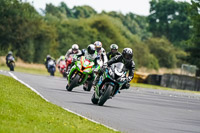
(93, 99)
(11, 67)
(105, 95)
(73, 83)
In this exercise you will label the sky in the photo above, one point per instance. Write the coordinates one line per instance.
(139, 7)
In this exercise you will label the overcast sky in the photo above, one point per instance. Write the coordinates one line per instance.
(140, 7)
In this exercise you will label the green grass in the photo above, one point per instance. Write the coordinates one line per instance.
(31, 70)
(21, 110)
(161, 88)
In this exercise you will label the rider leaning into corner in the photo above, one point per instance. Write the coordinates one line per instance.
(126, 59)
(113, 51)
(73, 50)
(101, 51)
(91, 55)
(8, 55)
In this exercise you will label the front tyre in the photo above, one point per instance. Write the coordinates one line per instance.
(93, 99)
(73, 83)
(11, 66)
(105, 96)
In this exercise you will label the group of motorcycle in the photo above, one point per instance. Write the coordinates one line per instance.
(79, 73)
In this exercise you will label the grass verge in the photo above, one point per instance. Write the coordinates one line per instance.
(21, 110)
(31, 70)
(161, 88)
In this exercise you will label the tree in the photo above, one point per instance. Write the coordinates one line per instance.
(164, 51)
(194, 51)
(171, 19)
(83, 11)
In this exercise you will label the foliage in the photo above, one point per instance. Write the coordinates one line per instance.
(23, 30)
(171, 19)
(32, 36)
(163, 50)
(134, 23)
(194, 51)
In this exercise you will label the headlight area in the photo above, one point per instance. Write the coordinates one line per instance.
(111, 73)
(87, 70)
(79, 66)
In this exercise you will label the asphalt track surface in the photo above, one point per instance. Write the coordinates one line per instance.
(137, 110)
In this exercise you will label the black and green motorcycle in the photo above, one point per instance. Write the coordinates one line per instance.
(109, 84)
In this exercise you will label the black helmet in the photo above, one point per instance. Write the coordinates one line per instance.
(91, 49)
(127, 54)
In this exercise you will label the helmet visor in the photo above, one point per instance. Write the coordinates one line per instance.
(114, 51)
(90, 51)
(75, 51)
(128, 56)
(98, 49)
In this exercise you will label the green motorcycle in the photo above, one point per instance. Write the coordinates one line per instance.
(109, 84)
(80, 74)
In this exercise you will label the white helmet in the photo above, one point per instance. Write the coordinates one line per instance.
(10, 52)
(114, 46)
(75, 47)
(98, 45)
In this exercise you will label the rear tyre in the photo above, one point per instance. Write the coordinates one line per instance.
(88, 87)
(93, 99)
(73, 83)
(105, 96)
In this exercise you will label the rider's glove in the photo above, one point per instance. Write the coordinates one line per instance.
(104, 66)
(74, 59)
(121, 79)
(95, 70)
(127, 86)
(129, 78)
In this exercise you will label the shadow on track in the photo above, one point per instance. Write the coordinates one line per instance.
(105, 106)
(82, 92)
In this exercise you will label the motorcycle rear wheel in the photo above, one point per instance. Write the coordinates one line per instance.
(89, 86)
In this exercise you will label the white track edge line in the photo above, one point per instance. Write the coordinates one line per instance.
(57, 105)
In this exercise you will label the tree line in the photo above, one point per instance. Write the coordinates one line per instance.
(168, 37)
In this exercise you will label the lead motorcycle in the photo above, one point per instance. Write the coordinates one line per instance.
(80, 74)
(109, 84)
